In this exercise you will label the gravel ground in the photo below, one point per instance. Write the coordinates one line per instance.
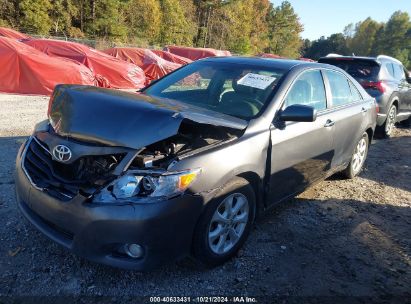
(19, 113)
(339, 238)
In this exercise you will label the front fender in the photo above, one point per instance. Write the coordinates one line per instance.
(220, 164)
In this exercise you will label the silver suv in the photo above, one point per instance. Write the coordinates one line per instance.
(385, 79)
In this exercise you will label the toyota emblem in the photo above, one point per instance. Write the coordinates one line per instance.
(62, 153)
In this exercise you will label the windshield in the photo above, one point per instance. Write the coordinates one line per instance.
(361, 70)
(234, 89)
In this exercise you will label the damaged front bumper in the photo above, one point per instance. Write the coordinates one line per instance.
(97, 232)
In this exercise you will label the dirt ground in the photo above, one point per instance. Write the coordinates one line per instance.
(338, 240)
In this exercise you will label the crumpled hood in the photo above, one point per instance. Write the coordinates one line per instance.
(117, 118)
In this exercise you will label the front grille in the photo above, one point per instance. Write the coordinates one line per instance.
(38, 165)
(64, 181)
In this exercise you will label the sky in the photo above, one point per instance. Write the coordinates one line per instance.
(323, 18)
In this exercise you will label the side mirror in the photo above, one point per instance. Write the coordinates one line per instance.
(301, 113)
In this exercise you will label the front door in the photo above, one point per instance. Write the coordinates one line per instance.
(301, 152)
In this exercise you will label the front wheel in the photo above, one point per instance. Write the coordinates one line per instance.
(225, 223)
(358, 158)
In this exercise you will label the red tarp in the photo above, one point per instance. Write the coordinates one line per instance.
(27, 71)
(109, 71)
(267, 55)
(153, 66)
(172, 57)
(9, 33)
(306, 59)
(195, 53)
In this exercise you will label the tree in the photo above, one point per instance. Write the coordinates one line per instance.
(239, 26)
(209, 14)
(7, 13)
(35, 16)
(174, 26)
(62, 13)
(242, 26)
(284, 31)
(362, 43)
(107, 20)
(336, 43)
(395, 38)
(189, 10)
(143, 18)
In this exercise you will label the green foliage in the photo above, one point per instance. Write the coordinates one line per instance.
(336, 43)
(363, 41)
(4, 23)
(61, 14)
(403, 55)
(107, 20)
(242, 26)
(143, 18)
(284, 31)
(395, 38)
(174, 27)
(35, 16)
(7, 13)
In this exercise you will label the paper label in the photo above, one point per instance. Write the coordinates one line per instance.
(256, 81)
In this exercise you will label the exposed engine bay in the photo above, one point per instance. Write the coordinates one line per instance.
(191, 137)
(94, 166)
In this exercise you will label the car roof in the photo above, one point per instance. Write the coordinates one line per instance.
(285, 64)
(378, 59)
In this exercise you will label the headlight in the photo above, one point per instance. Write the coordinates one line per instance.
(153, 184)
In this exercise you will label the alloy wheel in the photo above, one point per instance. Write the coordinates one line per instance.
(390, 123)
(359, 156)
(228, 223)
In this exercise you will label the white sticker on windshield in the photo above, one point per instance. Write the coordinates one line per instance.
(256, 81)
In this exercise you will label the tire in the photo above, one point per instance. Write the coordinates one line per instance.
(386, 129)
(213, 230)
(358, 158)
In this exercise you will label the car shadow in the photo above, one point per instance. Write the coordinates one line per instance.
(301, 248)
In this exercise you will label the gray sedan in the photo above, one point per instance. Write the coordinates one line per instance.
(185, 166)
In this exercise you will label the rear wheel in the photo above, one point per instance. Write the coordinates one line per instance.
(225, 223)
(358, 158)
(389, 125)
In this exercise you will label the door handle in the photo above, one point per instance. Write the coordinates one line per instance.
(329, 123)
(363, 110)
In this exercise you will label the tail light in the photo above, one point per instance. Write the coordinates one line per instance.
(377, 107)
(375, 85)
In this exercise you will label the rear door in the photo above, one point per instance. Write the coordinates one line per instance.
(347, 112)
(301, 152)
(404, 88)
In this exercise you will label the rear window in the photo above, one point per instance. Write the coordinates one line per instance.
(361, 70)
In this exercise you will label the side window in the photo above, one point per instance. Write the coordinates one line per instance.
(399, 72)
(308, 90)
(390, 69)
(340, 88)
(356, 95)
